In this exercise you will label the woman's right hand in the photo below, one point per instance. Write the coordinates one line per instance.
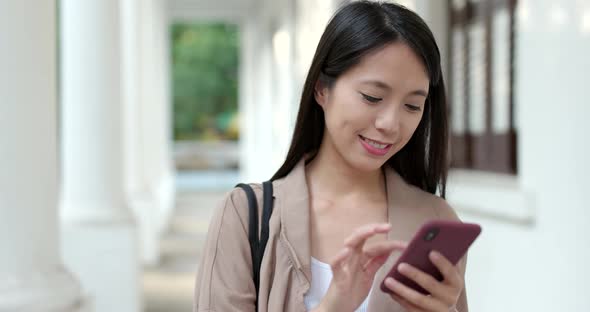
(354, 268)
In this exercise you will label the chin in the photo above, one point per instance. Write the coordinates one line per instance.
(366, 164)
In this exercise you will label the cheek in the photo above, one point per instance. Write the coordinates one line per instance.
(413, 125)
(409, 128)
(346, 114)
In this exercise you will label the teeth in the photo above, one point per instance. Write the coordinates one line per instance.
(375, 144)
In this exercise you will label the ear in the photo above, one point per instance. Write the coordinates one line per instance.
(321, 93)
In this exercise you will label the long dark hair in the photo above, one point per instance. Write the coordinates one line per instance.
(355, 30)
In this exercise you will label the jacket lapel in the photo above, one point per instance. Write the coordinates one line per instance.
(293, 197)
(378, 300)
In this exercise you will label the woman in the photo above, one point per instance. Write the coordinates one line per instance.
(367, 157)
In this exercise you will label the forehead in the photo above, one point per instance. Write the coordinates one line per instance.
(395, 64)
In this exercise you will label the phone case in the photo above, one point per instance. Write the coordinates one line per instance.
(450, 238)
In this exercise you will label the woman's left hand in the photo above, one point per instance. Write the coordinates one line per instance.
(443, 295)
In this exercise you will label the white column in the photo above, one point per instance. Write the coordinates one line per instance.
(246, 97)
(265, 91)
(158, 123)
(255, 100)
(92, 123)
(312, 16)
(285, 100)
(256, 111)
(436, 15)
(150, 178)
(32, 277)
(99, 234)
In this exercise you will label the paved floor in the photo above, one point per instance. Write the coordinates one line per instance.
(168, 287)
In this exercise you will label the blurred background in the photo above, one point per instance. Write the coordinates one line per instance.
(125, 122)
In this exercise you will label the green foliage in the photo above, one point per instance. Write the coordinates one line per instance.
(205, 81)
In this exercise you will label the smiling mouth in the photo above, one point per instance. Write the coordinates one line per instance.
(375, 144)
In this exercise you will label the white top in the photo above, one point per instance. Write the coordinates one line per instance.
(321, 276)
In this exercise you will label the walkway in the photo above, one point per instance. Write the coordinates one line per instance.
(169, 286)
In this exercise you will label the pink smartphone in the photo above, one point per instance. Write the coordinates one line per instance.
(450, 238)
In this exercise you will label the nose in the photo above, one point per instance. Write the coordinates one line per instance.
(388, 120)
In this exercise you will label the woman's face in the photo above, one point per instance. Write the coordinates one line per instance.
(372, 110)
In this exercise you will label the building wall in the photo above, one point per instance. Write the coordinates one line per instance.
(539, 263)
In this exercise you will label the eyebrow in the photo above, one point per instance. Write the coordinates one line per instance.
(384, 86)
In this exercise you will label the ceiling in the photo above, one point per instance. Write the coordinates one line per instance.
(228, 10)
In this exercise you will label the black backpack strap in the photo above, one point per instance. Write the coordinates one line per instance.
(266, 212)
(253, 232)
(257, 246)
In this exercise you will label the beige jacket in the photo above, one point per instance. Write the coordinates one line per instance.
(224, 279)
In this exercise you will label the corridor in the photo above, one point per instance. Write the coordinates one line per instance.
(168, 287)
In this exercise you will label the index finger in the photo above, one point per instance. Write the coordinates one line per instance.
(360, 235)
(383, 248)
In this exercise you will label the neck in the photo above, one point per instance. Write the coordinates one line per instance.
(330, 173)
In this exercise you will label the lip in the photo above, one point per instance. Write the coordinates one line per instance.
(373, 150)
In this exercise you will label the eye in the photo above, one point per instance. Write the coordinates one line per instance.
(371, 98)
(413, 108)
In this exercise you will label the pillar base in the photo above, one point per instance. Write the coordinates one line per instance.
(153, 212)
(166, 194)
(145, 208)
(42, 291)
(104, 256)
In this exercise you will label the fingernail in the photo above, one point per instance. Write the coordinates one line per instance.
(434, 255)
(393, 283)
(390, 281)
(403, 267)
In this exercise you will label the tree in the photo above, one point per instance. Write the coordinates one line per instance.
(205, 80)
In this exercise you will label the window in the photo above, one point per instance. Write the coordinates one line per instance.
(481, 85)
